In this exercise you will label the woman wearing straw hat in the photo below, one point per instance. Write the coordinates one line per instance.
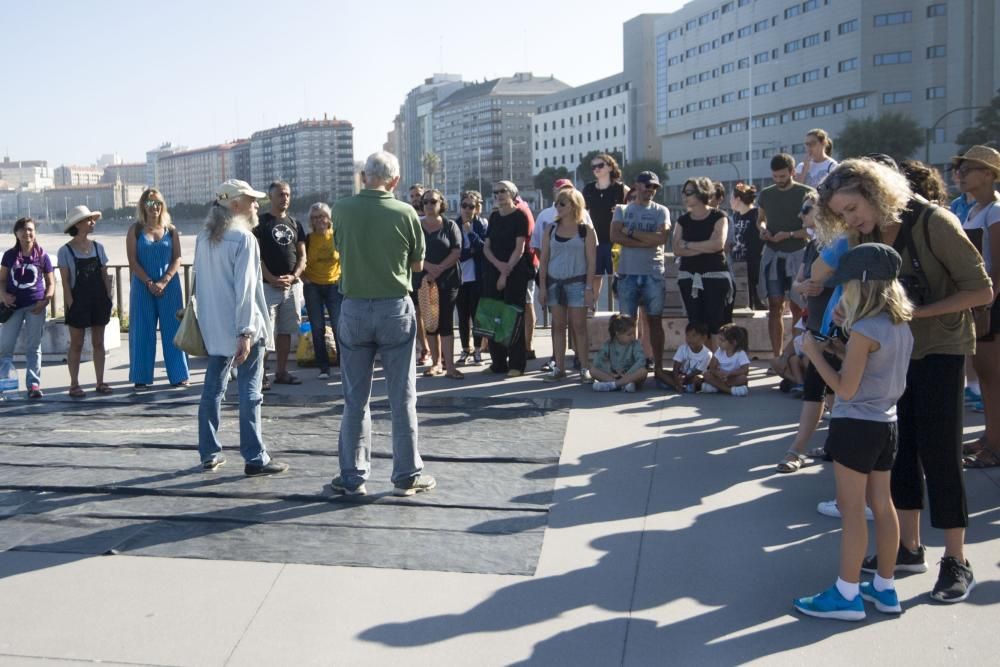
(86, 294)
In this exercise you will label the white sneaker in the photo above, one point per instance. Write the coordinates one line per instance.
(554, 374)
(604, 386)
(741, 391)
(706, 388)
(323, 375)
(829, 508)
(629, 388)
(586, 377)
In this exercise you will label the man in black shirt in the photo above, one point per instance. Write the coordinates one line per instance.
(282, 260)
(417, 198)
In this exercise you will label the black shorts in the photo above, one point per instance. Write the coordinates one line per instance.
(89, 310)
(813, 386)
(862, 445)
(991, 335)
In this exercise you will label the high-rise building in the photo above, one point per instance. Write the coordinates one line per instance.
(483, 131)
(193, 176)
(77, 175)
(739, 81)
(133, 173)
(316, 157)
(415, 124)
(571, 123)
(153, 158)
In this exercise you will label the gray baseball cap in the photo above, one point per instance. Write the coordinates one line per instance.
(868, 261)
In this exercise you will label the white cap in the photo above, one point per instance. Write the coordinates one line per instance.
(234, 188)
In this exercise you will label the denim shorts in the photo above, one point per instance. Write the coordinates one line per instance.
(573, 295)
(645, 291)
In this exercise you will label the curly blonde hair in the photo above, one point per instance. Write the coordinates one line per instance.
(883, 187)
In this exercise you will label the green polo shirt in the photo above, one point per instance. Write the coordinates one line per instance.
(378, 238)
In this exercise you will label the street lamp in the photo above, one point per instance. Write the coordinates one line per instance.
(933, 128)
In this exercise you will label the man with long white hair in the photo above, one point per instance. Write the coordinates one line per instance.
(381, 244)
(234, 321)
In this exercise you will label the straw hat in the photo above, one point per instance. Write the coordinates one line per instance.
(78, 213)
(984, 156)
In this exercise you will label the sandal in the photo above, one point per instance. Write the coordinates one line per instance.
(791, 463)
(286, 378)
(818, 453)
(182, 383)
(984, 458)
(265, 383)
(423, 359)
(973, 448)
(433, 371)
(76, 391)
(455, 375)
(104, 388)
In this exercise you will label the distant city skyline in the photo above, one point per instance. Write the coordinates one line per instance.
(170, 75)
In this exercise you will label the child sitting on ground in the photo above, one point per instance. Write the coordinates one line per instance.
(862, 437)
(691, 359)
(791, 365)
(620, 363)
(729, 369)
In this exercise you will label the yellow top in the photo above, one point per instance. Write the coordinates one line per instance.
(322, 259)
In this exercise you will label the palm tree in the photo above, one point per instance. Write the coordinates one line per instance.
(431, 164)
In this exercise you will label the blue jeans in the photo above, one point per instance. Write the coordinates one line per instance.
(33, 326)
(637, 290)
(387, 327)
(317, 298)
(249, 376)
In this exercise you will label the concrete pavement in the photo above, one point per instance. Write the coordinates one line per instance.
(670, 541)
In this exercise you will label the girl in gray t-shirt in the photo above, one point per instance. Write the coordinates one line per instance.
(862, 435)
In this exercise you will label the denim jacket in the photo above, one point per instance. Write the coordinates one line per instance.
(472, 244)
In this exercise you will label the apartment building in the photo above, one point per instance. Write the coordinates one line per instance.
(193, 176)
(316, 157)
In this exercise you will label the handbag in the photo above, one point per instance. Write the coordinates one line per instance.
(428, 298)
(188, 337)
(498, 321)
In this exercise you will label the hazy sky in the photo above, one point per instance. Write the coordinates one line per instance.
(84, 79)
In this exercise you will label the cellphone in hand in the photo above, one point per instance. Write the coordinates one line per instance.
(818, 337)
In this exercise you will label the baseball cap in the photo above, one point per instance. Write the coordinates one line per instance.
(868, 261)
(562, 183)
(648, 178)
(234, 188)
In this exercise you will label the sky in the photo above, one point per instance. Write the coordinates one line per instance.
(87, 79)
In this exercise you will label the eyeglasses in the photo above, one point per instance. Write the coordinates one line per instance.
(497, 193)
(431, 201)
(806, 210)
(965, 169)
(153, 203)
(468, 207)
(598, 165)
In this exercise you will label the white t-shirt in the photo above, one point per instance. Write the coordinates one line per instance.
(693, 361)
(985, 218)
(546, 218)
(817, 171)
(729, 364)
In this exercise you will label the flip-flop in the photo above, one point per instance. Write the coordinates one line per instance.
(984, 458)
(287, 378)
(104, 388)
(974, 447)
(455, 375)
(76, 391)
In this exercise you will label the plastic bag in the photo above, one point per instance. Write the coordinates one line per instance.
(305, 353)
(8, 376)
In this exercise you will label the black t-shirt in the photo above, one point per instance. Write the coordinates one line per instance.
(746, 237)
(601, 205)
(437, 246)
(278, 238)
(503, 231)
(701, 230)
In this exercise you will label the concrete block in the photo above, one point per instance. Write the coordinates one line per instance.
(55, 341)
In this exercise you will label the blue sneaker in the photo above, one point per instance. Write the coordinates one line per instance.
(886, 602)
(831, 604)
(971, 396)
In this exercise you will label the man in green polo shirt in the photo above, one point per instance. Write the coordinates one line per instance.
(380, 243)
(786, 240)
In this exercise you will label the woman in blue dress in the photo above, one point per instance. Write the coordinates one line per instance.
(154, 257)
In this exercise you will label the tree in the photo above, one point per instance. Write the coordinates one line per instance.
(894, 134)
(545, 179)
(431, 163)
(632, 169)
(585, 173)
(986, 130)
(473, 184)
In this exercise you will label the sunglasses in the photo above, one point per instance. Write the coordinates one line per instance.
(806, 210)
(468, 207)
(497, 193)
(153, 203)
(965, 169)
(689, 192)
(431, 201)
(598, 165)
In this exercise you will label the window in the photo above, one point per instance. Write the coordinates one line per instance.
(936, 51)
(896, 58)
(691, 53)
(762, 89)
(848, 26)
(728, 7)
(822, 110)
(743, 3)
(800, 114)
(761, 57)
(698, 134)
(727, 68)
(937, 9)
(745, 31)
(794, 10)
(761, 25)
(895, 18)
(691, 25)
(899, 97)
(744, 63)
(938, 135)
(811, 75)
(811, 40)
(857, 102)
(705, 48)
(744, 93)
(793, 80)
(676, 60)
(935, 92)
(838, 107)
(728, 97)
(728, 37)
(792, 46)
(847, 65)
(691, 80)
(704, 76)
(770, 121)
(810, 5)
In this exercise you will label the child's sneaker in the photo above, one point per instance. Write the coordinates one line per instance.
(555, 373)
(831, 604)
(906, 561)
(586, 377)
(829, 508)
(604, 386)
(629, 388)
(477, 358)
(741, 391)
(708, 389)
(885, 601)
